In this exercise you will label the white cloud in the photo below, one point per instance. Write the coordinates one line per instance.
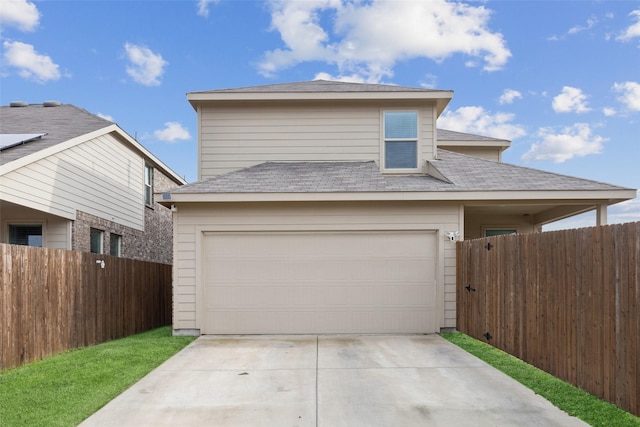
(509, 95)
(145, 66)
(476, 120)
(579, 28)
(30, 64)
(354, 78)
(630, 94)
(172, 132)
(203, 7)
(627, 211)
(106, 117)
(19, 13)
(368, 38)
(609, 112)
(633, 30)
(570, 142)
(570, 100)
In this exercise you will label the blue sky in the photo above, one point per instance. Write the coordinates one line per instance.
(560, 79)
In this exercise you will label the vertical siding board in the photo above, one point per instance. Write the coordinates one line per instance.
(565, 301)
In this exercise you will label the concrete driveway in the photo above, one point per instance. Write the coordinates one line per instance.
(332, 381)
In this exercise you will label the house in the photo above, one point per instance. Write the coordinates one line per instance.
(328, 207)
(72, 180)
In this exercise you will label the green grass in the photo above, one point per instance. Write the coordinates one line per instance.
(65, 389)
(574, 401)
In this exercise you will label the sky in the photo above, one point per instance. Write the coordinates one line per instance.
(560, 79)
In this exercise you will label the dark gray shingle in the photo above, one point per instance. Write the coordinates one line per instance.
(60, 123)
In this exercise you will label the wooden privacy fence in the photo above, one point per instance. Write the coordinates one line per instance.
(567, 302)
(53, 300)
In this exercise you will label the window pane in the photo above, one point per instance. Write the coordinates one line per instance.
(96, 240)
(148, 185)
(27, 235)
(400, 155)
(115, 243)
(499, 232)
(400, 124)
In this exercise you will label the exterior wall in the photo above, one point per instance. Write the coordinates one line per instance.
(475, 224)
(101, 177)
(236, 136)
(154, 243)
(192, 220)
(55, 230)
(488, 153)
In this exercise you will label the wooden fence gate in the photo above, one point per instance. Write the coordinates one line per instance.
(567, 302)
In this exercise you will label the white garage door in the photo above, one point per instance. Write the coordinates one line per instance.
(319, 282)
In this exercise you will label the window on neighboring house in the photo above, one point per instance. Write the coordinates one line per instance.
(148, 185)
(115, 244)
(400, 140)
(97, 241)
(27, 235)
(499, 231)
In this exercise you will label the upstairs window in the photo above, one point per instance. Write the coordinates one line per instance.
(400, 139)
(27, 235)
(148, 185)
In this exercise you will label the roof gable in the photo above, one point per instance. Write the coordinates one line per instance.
(64, 125)
(59, 123)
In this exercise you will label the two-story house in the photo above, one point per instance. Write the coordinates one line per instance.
(328, 207)
(72, 180)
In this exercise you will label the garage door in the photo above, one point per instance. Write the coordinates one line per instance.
(326, 282)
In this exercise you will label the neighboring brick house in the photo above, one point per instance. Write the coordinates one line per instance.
(72, 180)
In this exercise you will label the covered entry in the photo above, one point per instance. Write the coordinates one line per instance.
(319, 282)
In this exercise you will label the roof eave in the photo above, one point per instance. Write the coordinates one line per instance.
(441, 97)
(596, 196)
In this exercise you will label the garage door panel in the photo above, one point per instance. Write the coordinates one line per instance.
(308, 282)
(324, 269)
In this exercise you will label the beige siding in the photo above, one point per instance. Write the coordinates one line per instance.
(101, 177)
(489, 153)
(193, 220)
(56, 231)
(232, 138)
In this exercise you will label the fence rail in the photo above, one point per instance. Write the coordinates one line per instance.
(53, 300)
(567, 302)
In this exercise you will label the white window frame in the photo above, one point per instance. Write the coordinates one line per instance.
(383, 140)
(148, 186)
(31, 223)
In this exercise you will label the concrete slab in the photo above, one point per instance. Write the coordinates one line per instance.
(327, 381)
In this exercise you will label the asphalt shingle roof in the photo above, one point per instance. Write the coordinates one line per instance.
(60, 123)
(316, 86)
(465, 173)
(449, 135)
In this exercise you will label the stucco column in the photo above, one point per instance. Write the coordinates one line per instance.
(601, 214)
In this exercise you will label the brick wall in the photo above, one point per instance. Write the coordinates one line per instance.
(154, 244)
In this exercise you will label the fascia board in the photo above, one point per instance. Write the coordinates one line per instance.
(607, 196)
(442, 98)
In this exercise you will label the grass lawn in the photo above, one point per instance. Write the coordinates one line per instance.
(65, 389)
(574, 401)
